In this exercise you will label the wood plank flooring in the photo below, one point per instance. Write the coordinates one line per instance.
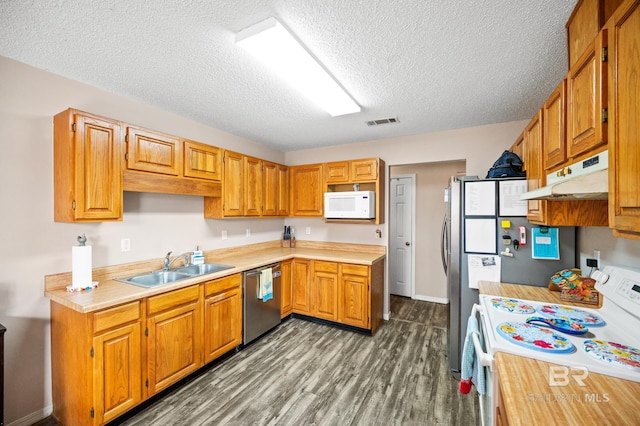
(305, 373)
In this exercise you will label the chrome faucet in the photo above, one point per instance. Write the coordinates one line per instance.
(168, 261)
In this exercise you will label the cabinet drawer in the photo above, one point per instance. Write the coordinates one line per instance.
(321, 266)
(221, 284)
(351, 269)
(112, 317)
(170, 300)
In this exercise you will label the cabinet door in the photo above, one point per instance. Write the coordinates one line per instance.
(554, 136)
(283, 190)
(300, 286)
(149, 151)
(88, 168)
(286, 302)
(252, 186)
(270, 189)
(223, 320)
(624, 112)
(518, 148)
(202, 161)
(535, 177)
(117, 370)
(306, 190)
(354, 295)
(336, 172)
(586, 126)
(364, 170)
(233, 184)
(174, 342)
(325, 290)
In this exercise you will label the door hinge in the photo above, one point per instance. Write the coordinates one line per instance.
(126, 156)
(73, 127)
(73, 204)
(146, 382)
(91, 352)
(605, 54)
(605, 115)
(146, 331)
(126, 137)
(92, 413)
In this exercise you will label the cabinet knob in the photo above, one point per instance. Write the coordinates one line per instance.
(407, 244)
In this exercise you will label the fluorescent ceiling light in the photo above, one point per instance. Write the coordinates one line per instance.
(270, 42)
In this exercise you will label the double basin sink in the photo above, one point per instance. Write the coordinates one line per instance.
(166, 276)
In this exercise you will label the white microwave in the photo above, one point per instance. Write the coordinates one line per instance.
(350, 205)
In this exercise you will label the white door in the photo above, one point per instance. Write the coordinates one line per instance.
(401, 223)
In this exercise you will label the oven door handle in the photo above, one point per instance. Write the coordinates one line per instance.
(484, 358)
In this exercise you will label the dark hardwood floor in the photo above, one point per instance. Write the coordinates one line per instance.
(304, 373)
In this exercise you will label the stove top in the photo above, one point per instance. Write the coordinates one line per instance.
(610, 345)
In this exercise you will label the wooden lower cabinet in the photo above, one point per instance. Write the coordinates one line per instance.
(286, 300)
(174, 337)
(222, 316)
(300, 288)
(96, 363)
(324, 291)
(354, 295)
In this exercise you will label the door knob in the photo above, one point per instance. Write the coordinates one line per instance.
(407, 244)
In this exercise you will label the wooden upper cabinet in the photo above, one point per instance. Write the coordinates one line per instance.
(233, 184)
(364, 170)
(587, 18)
(252, 186)
(306, 190)
(518, 148)
(586, 99)
(202, 161)
(624, 112)
(283, 190)
(337, 172)
(150, 151)
(275, 189)
(554, 134)
(535, 175)
(88, 168)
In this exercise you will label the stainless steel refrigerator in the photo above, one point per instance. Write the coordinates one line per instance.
(485, 231)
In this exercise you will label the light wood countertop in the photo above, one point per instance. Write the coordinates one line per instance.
(110, 292)
(528, 397)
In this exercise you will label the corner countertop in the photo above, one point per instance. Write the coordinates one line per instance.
(111, 293)
(529, 399)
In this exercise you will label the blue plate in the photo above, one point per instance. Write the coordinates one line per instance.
(533, 337)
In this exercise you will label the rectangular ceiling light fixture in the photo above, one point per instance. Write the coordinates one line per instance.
(270, 42)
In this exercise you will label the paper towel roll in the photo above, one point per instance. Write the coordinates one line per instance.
(81, 276)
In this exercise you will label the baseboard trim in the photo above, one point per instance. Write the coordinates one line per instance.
(432, 299)
(34, 417)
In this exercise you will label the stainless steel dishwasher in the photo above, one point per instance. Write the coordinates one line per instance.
(260, 316)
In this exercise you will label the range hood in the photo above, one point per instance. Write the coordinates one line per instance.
(584, 180)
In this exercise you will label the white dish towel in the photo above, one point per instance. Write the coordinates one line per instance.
(265, 290)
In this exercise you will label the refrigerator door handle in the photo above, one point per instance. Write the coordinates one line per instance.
(444, 246)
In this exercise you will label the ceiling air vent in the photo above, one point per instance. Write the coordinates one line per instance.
(382, 121)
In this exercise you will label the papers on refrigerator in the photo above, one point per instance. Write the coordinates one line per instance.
(483, 268)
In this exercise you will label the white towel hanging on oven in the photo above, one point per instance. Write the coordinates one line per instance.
(265, 285)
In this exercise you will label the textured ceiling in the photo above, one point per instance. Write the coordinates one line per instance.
(436, 65)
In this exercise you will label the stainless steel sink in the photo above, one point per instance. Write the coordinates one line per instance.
(205, 268)
(156, 278)
(152, 279)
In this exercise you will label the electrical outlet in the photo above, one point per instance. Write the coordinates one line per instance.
(307, 230)
(125, 245)
(248, 232)
(224, 234)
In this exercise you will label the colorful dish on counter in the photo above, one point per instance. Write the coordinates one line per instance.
(533, 337)
(614, 353)
(511, 305)
(569, 313)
